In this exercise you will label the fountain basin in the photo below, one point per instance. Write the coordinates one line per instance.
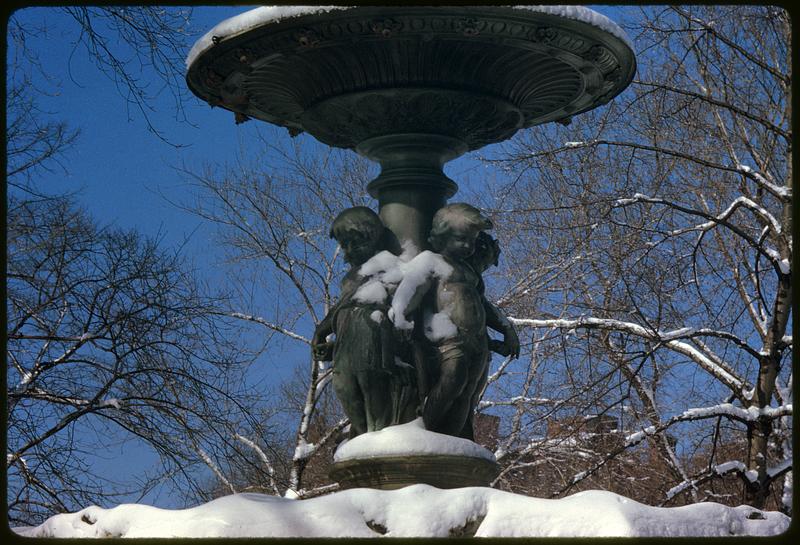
(476, 74)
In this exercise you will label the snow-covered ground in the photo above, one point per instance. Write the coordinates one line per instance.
(415, 511)
(418, 510)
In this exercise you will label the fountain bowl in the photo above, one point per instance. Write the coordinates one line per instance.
(473, 75)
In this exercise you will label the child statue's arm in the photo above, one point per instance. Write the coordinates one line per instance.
(407, 300)
(322, 349)
(496, 320)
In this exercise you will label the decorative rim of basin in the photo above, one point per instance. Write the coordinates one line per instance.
(475, 73)
(263, 15)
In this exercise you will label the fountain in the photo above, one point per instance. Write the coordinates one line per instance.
(413, 88)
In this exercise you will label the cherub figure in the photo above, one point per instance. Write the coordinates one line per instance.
(371, 387)
(487, 253)
(446, 288)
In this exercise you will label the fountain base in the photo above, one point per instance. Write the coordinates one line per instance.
(393, 472)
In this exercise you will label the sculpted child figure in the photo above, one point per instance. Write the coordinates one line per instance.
(450, 294)
(487, 253)
(371, 387)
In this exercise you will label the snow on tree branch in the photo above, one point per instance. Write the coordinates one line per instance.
(728, 410)
(264, 458)
(668, 339)
(210, 463)
(518, 400)
(268, 324)
(719, 470)
(782, 192)
(751, 414)
(734, 466)
(722, 219)
(773, 472)
(303, 450)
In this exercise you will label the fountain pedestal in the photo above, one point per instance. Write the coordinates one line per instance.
(412, 185)
(392, 472)
(408, 454)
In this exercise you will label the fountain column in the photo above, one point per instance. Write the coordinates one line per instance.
(412, 185)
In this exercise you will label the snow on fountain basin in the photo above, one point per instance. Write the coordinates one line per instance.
(264, 15)
(408, 440)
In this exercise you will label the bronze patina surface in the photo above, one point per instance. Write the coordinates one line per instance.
(393, 472)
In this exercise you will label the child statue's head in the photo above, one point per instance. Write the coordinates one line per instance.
(487, 252)
(455, 228)
(359, 231)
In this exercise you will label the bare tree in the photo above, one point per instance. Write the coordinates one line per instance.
(110, 340)
(657, 254)
(36, 141)
(33, 141)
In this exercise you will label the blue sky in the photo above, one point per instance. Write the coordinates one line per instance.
(122, 172)
(118, 166)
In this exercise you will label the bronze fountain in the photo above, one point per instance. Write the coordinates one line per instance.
(413, 88)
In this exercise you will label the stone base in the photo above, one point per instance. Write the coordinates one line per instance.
(392, 472)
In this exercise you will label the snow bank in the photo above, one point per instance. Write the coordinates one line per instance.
(408, 439)
(415, 511)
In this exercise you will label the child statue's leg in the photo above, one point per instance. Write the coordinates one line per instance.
(446, 407)
(377, 389)
(482, 376)
(348, 391)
